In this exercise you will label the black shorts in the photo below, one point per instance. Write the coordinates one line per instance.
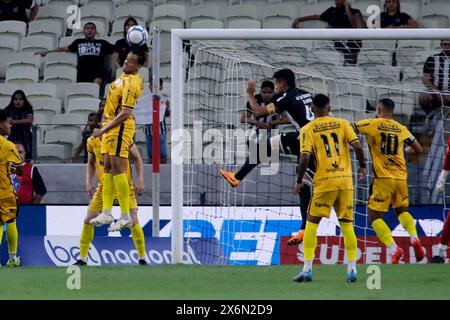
(290, 143)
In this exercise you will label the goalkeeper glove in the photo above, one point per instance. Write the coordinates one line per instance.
(441, 181)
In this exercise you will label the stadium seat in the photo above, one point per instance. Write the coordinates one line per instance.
(82, 106)
(60, 76)
(207, 24)
(169, 12)
(412, 76)
(53, 152)
(9, 43)
(22, 75)
(24, 59)
(100, 11)
(413, 8)
(240, 12)
(4, 101)
(279, 16)
(54, 59)
(81, 89)
(7, 89)
(374, 57)
(140, 12)
(41, 90)
(37, 43)
(434, 21)
(203, 12)
(42, 123)
(326, 56)
(419, 44)
(316, 24)
(66, 41)
(166, 25)
(46, 27)
(244, 24)
(382, 73)
(47, 106)
(70, 122)
(14, 28)
(55, 11)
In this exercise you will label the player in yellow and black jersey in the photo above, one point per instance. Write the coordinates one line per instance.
(118, 131)
(386, 138)
(326, 140)
(10, 162)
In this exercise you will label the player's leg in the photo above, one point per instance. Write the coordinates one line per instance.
(138, 235)
(119, 164)
(87, 235)
(344, 210)
(107, 192)
(8, 216)
(400, 204)
(445, 239)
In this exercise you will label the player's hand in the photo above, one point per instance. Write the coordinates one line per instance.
(97, 132)
(140, 187)
(90, 189)
(409, 149)
(251, 87)
(440, 185)
(296, 23)
(298, 187)
(362, 172)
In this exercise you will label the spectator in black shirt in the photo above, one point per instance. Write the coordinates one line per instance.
(122, 47)
(343, 16)
(16, 10)
(392, 17)
(436, 77)
(91, 55)
(20, 113)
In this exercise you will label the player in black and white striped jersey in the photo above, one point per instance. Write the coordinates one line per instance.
(436, 77)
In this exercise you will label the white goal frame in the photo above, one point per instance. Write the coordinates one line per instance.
(178, 35)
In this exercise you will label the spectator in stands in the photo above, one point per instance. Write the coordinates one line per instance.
(392, 17)
(92, 123)
(436, 73)
(16, 10)
(20, 113)
(91, 55)
(30, 187)
(339, 17)
(122, 47)
(144, 115)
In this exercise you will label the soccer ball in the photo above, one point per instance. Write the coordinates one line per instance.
(137, 35)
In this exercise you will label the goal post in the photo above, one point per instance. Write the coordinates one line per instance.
(177, 88)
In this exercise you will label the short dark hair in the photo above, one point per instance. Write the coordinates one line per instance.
(141, 56)
(286, 75)
(90, 23)
(268, 84)
(3, 115)
(320, 101)
(387, 104)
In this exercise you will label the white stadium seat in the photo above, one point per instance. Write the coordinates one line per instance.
(46, 27)
(100, 11)
(24, 59)
(9, 43)
(66, 41)
(53, 59)
(81, 89)
(60, 76)
(37, 43)
(137, 11)
(53, 151)
(7, 89)
(239, 12)
(245, 24)
(48, 106)
(22, 75)
(170, 12)
(69, 122)
(279, 16)
(14, 28)
(202, 12)
(82, 106)
(41, 90)
(207, 24)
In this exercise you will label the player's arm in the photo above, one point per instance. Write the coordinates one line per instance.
(90, 171)
(299, 20)
(136, 155)
(303, 165)
(61, 49)
(359, 152)
(414, 147)
(259, 110)
(38, 186)
(117, 121)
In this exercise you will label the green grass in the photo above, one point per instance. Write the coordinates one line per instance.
(173, 282)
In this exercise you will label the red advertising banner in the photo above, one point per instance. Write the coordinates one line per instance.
(330, 250)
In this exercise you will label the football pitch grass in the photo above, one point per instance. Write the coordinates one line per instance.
(180, 282)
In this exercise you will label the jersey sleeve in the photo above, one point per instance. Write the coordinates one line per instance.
(350, 133)
(362, 126)
(90, 147)
(305, 141)
(407, 136)
(13, 156)
(131, 92)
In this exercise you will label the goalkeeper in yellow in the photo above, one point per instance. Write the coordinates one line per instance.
(95, 163)
(10, 162)
(386, 138)
(326, 139)
(117, 133)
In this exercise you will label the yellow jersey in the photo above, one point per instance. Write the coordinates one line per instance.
(94, 145)
(123, 93)
(327, 139)
(386, 138)
(8, 156)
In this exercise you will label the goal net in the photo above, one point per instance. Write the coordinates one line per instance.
(250, 224)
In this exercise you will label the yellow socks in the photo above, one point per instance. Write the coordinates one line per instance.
(85, 240)
(407, 222)
(108, 191)
(138, 238)
(349, 239)
(12, 236)
(383, 232)
(310, 241)
(123, 192)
